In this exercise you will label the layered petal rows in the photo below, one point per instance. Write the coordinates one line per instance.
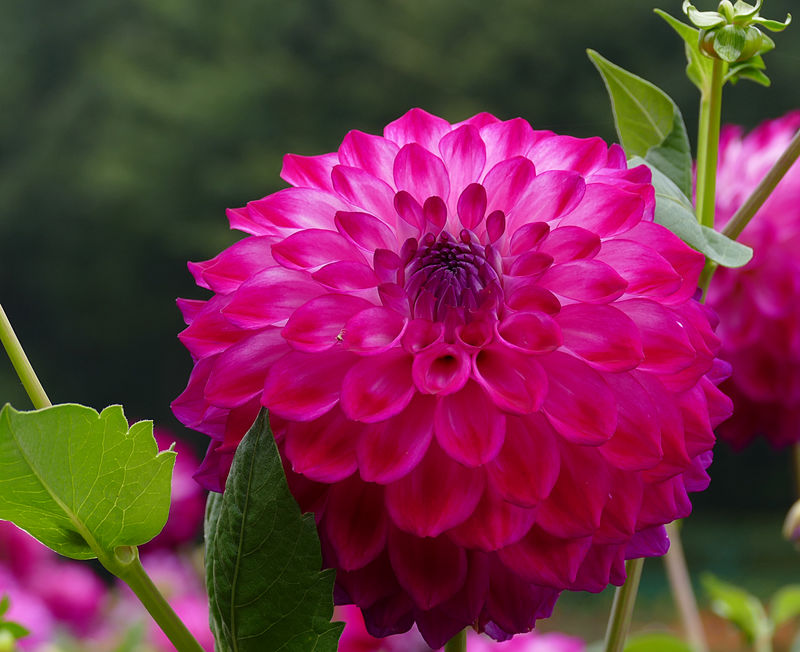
(758, 304)
(482, 360)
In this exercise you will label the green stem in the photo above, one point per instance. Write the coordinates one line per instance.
(708, 145)
(763, 643)
(681, 585)
(458, 643)
(750, 207)
(21, 363)
(622, 610)
(796, 467)
(126, 565)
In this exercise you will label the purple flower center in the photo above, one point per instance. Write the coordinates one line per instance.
(444, 274)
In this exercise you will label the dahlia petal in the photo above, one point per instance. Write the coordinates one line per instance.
(527, 466)
(431, 570)
(579, 402)
(356, 523)
(364, 191)
(347, 276)
(664, 502)
(390, 449)
(417, 126)
(435, 211)
(618, 522)
(441, 369)
(568, 243)
(575, 505)
(531, 263)
(303, 386)
(650, 542)
(238, 373)
(292, 209)
(242, 260)
(378, 387)
(373, 330)
(209, 332)
(508, 139)
(495, 225)
(494, 524)
(530, 332)
(472, 205)
(584, 155)
(421, 173)
(314, 248)
(533, 298)
(645, 270)
(601, 563)
(241, 220)
(324, 449)
(548, 196)
(318, 324)
(602, 335)
(411, 214)
(270, 297)
(371, 153)
(475, 335)
(514, 381)
(544, 559)
(507, 181)
(420, 334)
(438, 494)
(468, 427)
(606, 210)
(366, 231)
(584, 280)
(528, 237)
(464, 155)
(309, 171)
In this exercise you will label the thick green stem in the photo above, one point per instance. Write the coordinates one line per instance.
(458, 643)
(708, 145)
(21, 363)
(622, 610)
(681, 585)
(126, 565)
(750, 207)
(763, 643)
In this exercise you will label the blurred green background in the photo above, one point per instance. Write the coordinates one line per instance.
(127, 127)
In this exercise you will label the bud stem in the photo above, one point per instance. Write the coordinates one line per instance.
(458, 643)
(708, 145)
(619, 621)
(21, 363)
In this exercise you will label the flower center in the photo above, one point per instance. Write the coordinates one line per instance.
(445, 274)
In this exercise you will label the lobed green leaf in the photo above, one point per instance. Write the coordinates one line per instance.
(263, 559)
(83, 483)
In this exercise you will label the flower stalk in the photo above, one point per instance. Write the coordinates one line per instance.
(681, 586)
(622, 609)
(708, 145)
(21, 363)
(458, 643)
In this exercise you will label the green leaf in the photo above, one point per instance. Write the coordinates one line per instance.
(737, 606)
(675, 211)
(16, 630)
(263, 559)
(656, 643)
(745, 10)
(698, 68)
(82, 482)
(5, 603)
(773, 25)
(702, 19)
(729, 42)
(785, 604)
(649, 123)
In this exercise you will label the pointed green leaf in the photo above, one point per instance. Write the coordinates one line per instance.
(774, 25)
(656, 643)
(702, 19)
(16, 630)
(263, 558)
(747, 72)
(82, 482)
(698, 67)
(785, 604)
(675, 212)
(5, 603)
(648, 122)
(737, 606)
(745, 10)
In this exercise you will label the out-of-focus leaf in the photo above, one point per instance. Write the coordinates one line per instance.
(785, 604)
(737, 606)
(656, 643)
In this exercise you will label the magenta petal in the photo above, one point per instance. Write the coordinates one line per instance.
(530, 332)
(571, 243)
(371, 153)
(469, 427)
(304, 386)
(378, 387)
(601, 563)
(527, 466)
(514, 381)
(309, 171)
(324, 449)
(356, 523)
(441, 369)
(548, 196)
(366, 231)
(296, 208)
(238, 373)
(508, 139)
(622, 509)
(602, 335)
(421, 173)
(651, 542)
(472, 206)
(431, 570)
(437, 495)
(645, 270)
(390, 449)
(242, 260)
(606, 210)
(532, 298)
(364, 191)
(417, 126)
(546, 560)
(317, 325)
(507, 181)
(313, 248)
(583, 155)
(347, 276)
(494, 524)
(464, 155)
(584, 280)
(373, 330)
(579, 403)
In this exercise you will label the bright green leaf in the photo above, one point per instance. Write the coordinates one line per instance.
(656, 643)
(745, 10)
(5, 603)
(649, 123)
(773, 25)
(729, 42)
(785, 604)
(82, 482)
(675, 211)
(16, 630)
(737, 606)
(263, 559)
(702, 19)
(698, 68)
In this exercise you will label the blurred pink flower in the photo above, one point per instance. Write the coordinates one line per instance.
(28, 610)
(482, 360)
(355, 637)
(759, 304)
(533, 642)
(20, 553)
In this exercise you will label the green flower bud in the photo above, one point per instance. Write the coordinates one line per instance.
(791, 524)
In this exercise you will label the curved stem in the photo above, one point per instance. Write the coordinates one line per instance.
(21, 363)
(708, 146)
(619, 621)
(681, 585)
(458, 643)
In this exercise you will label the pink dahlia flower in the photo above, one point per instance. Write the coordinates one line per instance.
(483, 364)
(552, 642)
(758, 304)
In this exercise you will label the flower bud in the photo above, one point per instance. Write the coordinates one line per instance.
(791, 524)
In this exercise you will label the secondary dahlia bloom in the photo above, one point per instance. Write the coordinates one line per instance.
(484, 367)
(551, 642)
(758, 303)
